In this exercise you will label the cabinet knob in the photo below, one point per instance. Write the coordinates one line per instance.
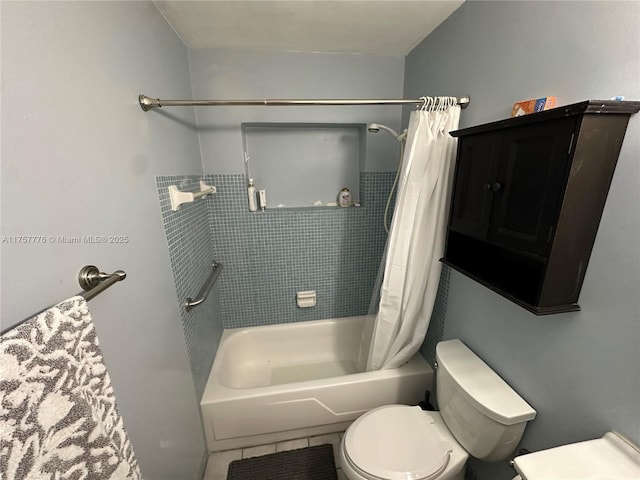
(495, 187)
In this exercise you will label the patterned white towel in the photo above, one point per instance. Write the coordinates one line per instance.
(58, 414)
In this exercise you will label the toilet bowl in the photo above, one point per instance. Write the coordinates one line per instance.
(480, 416)
(398, 442)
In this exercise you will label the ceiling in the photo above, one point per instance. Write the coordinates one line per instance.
(386, 27)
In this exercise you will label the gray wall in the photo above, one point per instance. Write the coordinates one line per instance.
(580, 371)
(79, 157)
(221, 73)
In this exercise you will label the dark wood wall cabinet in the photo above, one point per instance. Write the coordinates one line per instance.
(527, 199)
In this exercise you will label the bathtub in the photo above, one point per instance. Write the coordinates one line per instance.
(286, 381)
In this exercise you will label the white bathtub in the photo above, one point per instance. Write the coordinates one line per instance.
(286, 381)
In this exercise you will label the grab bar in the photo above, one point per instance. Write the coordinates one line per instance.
(216, 268)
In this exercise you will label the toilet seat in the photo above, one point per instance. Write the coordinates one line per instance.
(396, 442)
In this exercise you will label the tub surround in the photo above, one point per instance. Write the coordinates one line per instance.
(269, 256)
(310, 385)
(188, 235)
(258, 284)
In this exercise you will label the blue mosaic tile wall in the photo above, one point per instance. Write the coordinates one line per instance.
(435, 332)
(269, 256)
(189, 240)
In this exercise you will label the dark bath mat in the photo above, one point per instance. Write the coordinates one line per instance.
(309, 463)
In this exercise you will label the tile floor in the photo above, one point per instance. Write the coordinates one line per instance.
(218, 462)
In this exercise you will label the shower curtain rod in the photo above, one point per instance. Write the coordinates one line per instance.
(148, 103)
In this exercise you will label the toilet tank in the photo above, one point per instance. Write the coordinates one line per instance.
(485, 414)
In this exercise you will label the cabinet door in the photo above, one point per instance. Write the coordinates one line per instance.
(529, 184)
(476, 170)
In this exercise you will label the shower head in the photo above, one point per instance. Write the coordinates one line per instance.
(376, 127)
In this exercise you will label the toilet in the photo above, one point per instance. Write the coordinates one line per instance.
(612, 456)
(480, 415)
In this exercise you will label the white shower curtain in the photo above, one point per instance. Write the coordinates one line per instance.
(416, 240)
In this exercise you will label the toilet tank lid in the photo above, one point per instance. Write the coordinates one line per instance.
(485, 389)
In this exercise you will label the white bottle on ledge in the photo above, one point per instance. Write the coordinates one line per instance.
(251, 193)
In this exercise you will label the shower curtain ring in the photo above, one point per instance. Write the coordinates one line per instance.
(424, 104)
